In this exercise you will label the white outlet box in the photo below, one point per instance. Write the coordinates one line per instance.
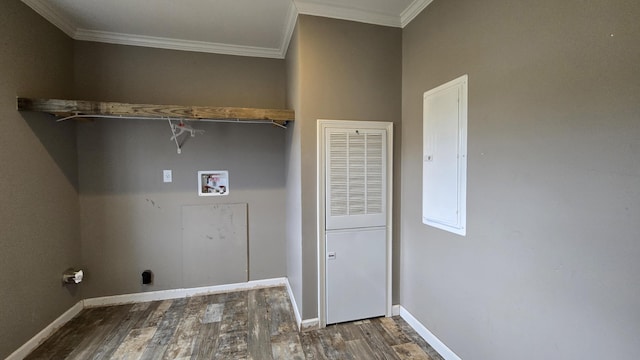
(167, 176)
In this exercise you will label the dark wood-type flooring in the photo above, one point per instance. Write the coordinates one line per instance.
(256, 324)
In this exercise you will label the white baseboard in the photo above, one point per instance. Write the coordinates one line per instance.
(35, 341)
(435, 343)
(306, 324)
(294, 304)
(309, 324)
(303, 325)
(181, 293)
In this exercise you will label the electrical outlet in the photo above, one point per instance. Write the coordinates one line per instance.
(167, 176)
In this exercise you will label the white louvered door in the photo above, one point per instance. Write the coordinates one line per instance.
(356, 178)
(355, 223)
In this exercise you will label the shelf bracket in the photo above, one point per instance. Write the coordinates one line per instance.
(174, 137)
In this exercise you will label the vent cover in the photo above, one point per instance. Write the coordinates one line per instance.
(356, 173)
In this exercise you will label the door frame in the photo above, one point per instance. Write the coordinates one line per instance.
(322, 125)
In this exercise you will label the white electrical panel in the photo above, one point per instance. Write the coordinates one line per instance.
(444, 160)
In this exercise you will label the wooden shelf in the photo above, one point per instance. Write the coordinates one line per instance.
(78, 108)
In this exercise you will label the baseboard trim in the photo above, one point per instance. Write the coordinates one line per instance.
(181, 293)
(296, 312)
(35, 341)
(40, 337)
(309, 324)
(435, 343)
(303, 325)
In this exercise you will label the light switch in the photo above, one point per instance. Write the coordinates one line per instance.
(167, 176)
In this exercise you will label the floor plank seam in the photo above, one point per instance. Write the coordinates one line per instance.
(249, 324)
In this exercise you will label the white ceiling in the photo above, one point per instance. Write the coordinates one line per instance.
(260, 28)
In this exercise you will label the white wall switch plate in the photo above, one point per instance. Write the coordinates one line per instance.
(167, 176)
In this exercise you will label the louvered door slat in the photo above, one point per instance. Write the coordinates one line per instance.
(338, 180)
(356, 178)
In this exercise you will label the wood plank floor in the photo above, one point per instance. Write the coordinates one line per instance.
(256, 324)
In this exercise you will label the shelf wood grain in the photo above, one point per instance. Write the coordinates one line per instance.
(64, 108)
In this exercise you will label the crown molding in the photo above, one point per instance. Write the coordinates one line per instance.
(412, 11)
(346, 13)
(53, 16)
(306, 7)
(176, 44)
(60, 21)
(289, 27)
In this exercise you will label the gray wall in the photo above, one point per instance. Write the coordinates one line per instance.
(549, 267)
(39, 236)
(130, 219)
(293, 237)
(346, 71)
